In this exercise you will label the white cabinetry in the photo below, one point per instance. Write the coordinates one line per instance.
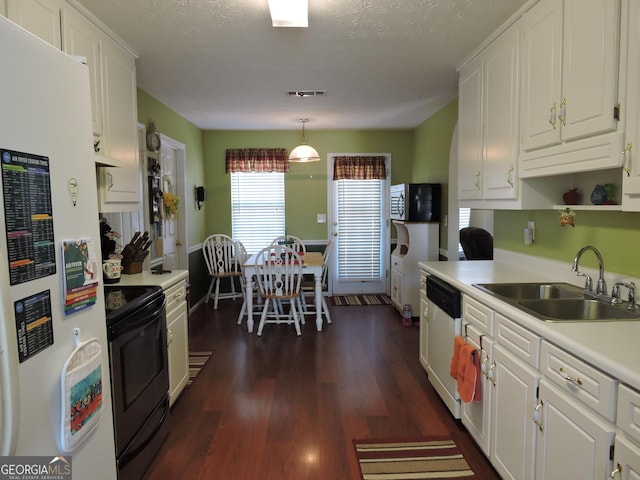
(424, 321)
(631, 175)
(417, 242)
(40, 17)
(576, 406)
(119, 187)
(626, 457)
(488, 123)
(570, 84)
(177, 339)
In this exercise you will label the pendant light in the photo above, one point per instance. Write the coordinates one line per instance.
(303, 152)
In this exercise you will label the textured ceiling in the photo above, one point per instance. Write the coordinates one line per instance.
(221, 65)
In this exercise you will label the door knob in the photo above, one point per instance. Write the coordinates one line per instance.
(178, 243)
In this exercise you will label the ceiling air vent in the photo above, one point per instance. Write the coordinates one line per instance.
(306, 93)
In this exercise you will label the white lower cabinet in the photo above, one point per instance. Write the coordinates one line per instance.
(513, 431)
(177, 339)
(565, 421)
(626, 458)
(476, 416)
(424, 319)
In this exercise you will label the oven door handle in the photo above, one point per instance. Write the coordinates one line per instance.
(127, 457)
(147, 318)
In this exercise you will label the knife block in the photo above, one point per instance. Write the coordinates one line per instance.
(132, 268)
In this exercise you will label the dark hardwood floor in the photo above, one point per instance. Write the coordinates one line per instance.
(286, 407)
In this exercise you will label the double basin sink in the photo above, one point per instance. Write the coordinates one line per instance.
(558, 302)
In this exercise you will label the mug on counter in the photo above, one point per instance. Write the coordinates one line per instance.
(112, 270)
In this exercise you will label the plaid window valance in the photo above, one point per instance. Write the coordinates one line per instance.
(359, 168)
(257, 160)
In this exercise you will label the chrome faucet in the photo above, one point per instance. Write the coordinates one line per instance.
(601, 288)
(615, 294)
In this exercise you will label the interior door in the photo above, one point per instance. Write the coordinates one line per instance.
(359, 227)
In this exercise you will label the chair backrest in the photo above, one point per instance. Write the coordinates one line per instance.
(279, 272)
(326, 255)
(220, 255)
(292, 242)
(477, 243)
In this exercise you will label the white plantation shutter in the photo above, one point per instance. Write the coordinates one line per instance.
(359, 223)
(257, 208)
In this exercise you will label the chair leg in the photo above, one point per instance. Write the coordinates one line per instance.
(325, 309)
(242, 311)
(215, 298)
(263, 317)
(296, 320)
(206, 300)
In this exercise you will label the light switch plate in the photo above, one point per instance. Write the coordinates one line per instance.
(322, 217)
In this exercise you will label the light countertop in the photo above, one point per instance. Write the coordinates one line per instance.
(163, 280)
(609, 346)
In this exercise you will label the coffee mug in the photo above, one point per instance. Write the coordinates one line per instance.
(112, 268)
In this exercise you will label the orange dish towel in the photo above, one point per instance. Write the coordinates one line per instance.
(458, 342)
(468, 384)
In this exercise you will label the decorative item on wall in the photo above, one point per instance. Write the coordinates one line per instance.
(566, 217)
(571, 197)
(155, 199)
(200, 196)
(171, 200)
(153, 138)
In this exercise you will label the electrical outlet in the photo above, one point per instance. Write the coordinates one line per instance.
(445, 220)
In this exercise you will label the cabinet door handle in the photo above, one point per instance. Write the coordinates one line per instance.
(477, 182)
(563, 112)
(623, 160)
(491, 373)
(617, 470)
(169, 337)
(109, 181)
(510, 177)
(552, 115)
(537, 415)
(576, 380)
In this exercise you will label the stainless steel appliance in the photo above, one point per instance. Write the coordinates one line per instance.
(137, 335)
(415, 202)
(444, 323)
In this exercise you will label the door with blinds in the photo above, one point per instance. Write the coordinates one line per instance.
(358, 223)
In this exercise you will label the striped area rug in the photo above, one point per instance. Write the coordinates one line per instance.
(197, 360)
(355, 300)
(434, 458)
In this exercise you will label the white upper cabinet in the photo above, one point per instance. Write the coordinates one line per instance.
(488, 123)
(569, 109)
(569, 70)
(40, 17)
(82, 38)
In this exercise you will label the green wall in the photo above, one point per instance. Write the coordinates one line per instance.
(615, 234)
(173, 125)
(431, 158)
(305, 184)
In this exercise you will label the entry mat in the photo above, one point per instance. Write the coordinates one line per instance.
(435, 458)
(356, 300)
(197, 360)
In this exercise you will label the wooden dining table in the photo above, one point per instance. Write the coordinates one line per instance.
(312, 263)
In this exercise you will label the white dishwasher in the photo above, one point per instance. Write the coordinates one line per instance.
(444, 323)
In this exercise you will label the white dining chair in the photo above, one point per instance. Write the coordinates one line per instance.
(222, 261)
(257, 301)
(308, 288)
(279, 274)
(295, 243)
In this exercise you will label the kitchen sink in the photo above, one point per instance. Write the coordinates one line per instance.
(558, 302)
(531, 291)
(577, 310)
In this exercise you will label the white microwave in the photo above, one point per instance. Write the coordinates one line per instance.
(415, 202)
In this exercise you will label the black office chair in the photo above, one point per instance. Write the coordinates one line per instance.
(477, 243)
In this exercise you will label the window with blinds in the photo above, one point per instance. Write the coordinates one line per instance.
(360, 223)
(257, 208)
(464, 215)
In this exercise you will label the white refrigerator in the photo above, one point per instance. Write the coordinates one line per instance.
(49, 227)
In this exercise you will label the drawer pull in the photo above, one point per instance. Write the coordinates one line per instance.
(169, 337)
(576, 380)
(617, 470)
(177, 295)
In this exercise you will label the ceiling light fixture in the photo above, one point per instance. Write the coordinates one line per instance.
(303, 152)
(289, 13)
